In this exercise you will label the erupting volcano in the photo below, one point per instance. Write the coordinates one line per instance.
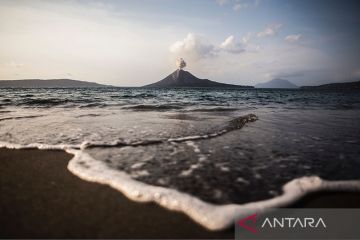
(182, 78)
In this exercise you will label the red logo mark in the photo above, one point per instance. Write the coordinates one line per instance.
(249, 218)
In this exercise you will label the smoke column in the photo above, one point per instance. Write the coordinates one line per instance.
(180, 63)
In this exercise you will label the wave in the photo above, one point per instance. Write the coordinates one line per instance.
(164, 107)
(211, 216)
(49, 102)
(143, 107)
(22, 117)
(140, 95)
(213, 109)
(89, 115)
(93, 105)
(5, 111)
(98, 104)
(234, 124)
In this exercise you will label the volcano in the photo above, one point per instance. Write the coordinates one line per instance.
(276, 83)
(181, 78)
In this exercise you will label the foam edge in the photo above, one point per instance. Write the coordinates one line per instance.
(210, 216)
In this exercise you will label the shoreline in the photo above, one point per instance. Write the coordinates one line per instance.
(40, 198)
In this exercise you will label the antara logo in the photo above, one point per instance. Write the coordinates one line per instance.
(285, 222)
(291, 222)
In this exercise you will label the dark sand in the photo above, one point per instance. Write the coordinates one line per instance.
(40, 198)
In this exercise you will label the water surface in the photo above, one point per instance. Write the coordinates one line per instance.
(298, 133)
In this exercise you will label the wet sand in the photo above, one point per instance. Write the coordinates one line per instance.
(329, 200)
(40, 198)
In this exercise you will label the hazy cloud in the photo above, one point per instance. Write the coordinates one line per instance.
(221, 2)
(231, 46)
(293, 38)
(238, 6)
(246, 39)
(192, 46)
(195, 47)
(288, 74)
(270, 30)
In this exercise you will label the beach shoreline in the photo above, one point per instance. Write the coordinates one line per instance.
(40, 198)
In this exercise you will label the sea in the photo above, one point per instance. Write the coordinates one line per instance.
(209, 153)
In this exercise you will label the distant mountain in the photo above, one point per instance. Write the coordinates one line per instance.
(276, 83)
(49, 83)
(181, 78)
(336, 86)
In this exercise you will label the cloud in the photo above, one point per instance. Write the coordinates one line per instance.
(192, 46)
(288, 74)
(231, 46)
(293, 38)
(195, 47)
(233, 58)
(246, 39)
(221, 2)
(237, 7)
(270, 30)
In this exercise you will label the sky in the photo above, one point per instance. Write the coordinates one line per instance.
(137, 42)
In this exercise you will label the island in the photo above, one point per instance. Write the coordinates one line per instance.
(335, 86)
(49, 83)
(276, 83)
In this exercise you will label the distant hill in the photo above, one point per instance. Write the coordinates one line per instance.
(336, 86)
(49, 83)
(276, 83)
(181, 78)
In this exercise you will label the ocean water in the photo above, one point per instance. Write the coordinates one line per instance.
(205, 152)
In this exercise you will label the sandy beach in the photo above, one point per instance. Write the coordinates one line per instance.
(40, 198)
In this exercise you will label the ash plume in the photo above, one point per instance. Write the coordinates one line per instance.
(180, 63)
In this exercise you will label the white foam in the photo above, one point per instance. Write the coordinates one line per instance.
(40, 146)
(213, 217)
